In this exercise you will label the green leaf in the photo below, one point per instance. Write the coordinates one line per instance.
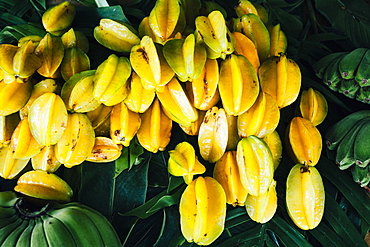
(247, 238)
(326, 236)
(12, 34)
(129, 157)
(349, 17)
(89, 17)
(170, 226)
(161, 200)
(345, 184)
(287, 234)
(101, 191)
(341, 223)
(166, 201)
(145, 232)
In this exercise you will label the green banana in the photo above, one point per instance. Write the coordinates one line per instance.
(320, 66)
(336, 133)
(25, 237)
(72, 221)
(106, 230)
(345, 151)
(57, 234)
(6, 230)
(363, 95)
(348, 87)
(363, 73)
(332, 77)
(361, 175)
(12, 237)
(5, 213)
(38, 237)
(350, 62)
(7, 221)
(361, 145)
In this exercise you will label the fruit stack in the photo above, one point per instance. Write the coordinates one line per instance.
(222, 80)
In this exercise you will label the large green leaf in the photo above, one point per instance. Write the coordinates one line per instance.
(349, 17)
(341, 224)
(345, 184)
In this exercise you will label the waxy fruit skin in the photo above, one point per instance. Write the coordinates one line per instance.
(305, 196)
(202, 211)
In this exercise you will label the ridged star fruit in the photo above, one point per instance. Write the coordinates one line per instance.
(304, 141)
(186, 57)
(51, 52)
(7, 126)
(226, 172)
(238, 85)
(245, 46)
(99, 115)
(34, 38)
(215, 34)
(193, 129)
(77, 141)
(74, 61)
(203, 211)
(155, 129)
(44, 185)
(104, 150)
(212, 135)
(313, 106)
(233, 136)
(144, 29)
(77, 92)
(110, 76)
(116, 36)
(203, 91)
(44, 86)
(280, 77)
(256, 165)
(148, 61)
(183, 162)
(8, 52)
(245, 7)
(305, 196)
(124, 124)
(253, 27)
(176, 103)
(14, 96)
(75, 38)
(273, 140)
(46, 160)
(58, 19)
(9, 166)
(23, 144)
(166, 19)
(138, 99)
(278, 40)
(262, 208)
(25, 61)
(261, 119)
(48, 118)
(103, 129)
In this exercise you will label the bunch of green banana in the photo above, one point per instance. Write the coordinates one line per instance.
(346, 73)
(52, 224)
(348, 139)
